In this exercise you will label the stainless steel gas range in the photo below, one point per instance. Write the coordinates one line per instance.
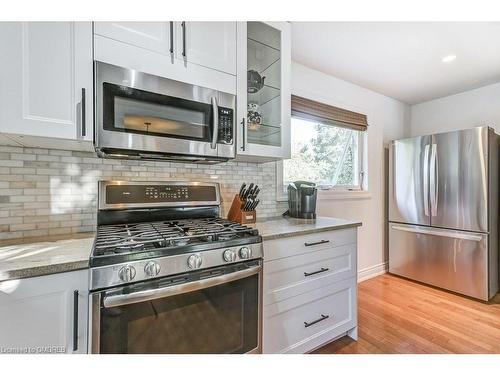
(168, 275)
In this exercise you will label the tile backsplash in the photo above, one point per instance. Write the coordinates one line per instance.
(51, 192)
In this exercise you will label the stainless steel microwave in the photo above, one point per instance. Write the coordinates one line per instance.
(142, 116)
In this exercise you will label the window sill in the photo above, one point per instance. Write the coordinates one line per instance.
(336, 195)
(345, 195)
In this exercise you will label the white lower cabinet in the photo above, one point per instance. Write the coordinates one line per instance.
(310, 291)
(46, 314)
(304, 322)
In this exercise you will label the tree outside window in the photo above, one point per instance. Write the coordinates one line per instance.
(325, 154)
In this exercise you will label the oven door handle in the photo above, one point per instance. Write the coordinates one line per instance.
(215, 113)
(151, 294)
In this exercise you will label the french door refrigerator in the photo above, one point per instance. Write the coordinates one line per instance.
(443, 210)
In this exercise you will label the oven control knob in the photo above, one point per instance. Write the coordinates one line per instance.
(151, 269)
(194, 261)
(126, 273)
(245, 253)
(229, 255)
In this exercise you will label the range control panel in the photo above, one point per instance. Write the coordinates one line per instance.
(160, 193)
(171, 193)
(226, 126)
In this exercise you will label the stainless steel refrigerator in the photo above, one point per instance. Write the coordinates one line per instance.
(443, 210)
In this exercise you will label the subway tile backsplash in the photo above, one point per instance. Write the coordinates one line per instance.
(51, 192)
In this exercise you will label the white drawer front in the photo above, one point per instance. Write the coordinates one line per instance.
(285, 247)
(285, 330)
(288, 277)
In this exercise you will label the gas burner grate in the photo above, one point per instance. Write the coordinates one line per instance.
(126, 238)
(130, 238)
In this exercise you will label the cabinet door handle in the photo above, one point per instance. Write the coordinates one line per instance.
(75, 320)
(316, 243)
(84, 119)
(323, 317)
(316, 272)
(243, 136)
(171, 37)
(183, 25)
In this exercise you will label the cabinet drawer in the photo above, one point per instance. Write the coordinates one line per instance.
(290, 276)
(285, 247)
(302, 323)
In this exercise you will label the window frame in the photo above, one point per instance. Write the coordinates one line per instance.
(338, 191)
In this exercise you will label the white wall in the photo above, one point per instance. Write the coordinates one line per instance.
(465, 110)
(388, 119)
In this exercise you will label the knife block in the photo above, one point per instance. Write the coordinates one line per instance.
(237, 214)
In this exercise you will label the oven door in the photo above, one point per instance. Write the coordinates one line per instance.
(145, 115)
(211, 311)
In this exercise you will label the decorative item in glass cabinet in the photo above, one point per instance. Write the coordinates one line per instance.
(254, 81)
(254, 116)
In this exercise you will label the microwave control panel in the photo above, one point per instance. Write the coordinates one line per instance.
(226, 119)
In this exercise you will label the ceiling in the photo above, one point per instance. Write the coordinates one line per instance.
(402, 59)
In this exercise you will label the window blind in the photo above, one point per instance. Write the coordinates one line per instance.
(312, 110)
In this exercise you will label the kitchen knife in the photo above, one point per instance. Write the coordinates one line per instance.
(254, 205)
(249, 190)
(242, 190)
(256, 192)
(245, 206)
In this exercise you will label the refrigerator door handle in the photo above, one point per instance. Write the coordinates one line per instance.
(426, 180)
(442, 233)
(433, 180)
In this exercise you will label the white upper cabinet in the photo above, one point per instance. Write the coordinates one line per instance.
(47, 79)
(199, 53)
(45, 312)
(263, 91)
(153, 36)
(209, 44)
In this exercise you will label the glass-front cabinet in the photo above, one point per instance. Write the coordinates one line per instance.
(263, 89)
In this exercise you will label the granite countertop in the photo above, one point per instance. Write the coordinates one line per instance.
(280, 227)
(31, 257)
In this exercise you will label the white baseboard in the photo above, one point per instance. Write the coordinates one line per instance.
(369, 272)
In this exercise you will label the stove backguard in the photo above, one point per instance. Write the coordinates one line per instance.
(132, 201)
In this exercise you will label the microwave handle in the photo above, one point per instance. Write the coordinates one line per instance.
(215, 112)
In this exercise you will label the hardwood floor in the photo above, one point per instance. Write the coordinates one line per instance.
(396, 315)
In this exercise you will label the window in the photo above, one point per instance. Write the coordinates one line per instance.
(329, 155)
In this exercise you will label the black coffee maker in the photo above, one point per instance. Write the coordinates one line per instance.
(301, 200)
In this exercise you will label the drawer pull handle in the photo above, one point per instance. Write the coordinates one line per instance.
(315, 272)
(323, 317)
(316, 243)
